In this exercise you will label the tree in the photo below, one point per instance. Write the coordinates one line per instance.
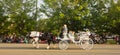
(70, 12)
(20, 16)
(113, 15)
(2, 19)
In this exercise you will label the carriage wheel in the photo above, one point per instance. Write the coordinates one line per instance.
(63, 45)
(87, 43)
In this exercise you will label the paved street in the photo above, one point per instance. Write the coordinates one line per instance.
(28, 49)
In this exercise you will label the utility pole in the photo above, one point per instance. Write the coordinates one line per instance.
(36, 13)
(36, 10)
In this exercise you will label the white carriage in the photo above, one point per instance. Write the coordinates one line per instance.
(84, 41)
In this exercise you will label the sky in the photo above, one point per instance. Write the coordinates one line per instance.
(40, 2)
(42, 15)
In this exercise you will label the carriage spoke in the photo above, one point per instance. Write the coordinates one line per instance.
(63, 45)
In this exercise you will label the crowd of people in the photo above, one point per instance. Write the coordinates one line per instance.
(13, 39)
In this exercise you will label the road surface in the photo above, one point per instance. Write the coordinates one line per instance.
(28, 49)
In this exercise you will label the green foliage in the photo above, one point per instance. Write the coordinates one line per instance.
(114, 18)
(95, 15)
(20, 16)
(68, 12)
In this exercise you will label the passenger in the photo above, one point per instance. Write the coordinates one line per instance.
(71, 36)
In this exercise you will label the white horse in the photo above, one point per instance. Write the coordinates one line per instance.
(41, 36)
(35, 35)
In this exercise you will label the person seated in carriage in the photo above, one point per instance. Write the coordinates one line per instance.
(64, 32)
(71, 35)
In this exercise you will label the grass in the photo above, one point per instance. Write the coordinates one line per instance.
(111, 41)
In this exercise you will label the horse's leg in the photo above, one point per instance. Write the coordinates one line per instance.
(33, 42)
(37, 42)
(53, 41)
(48, 41)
